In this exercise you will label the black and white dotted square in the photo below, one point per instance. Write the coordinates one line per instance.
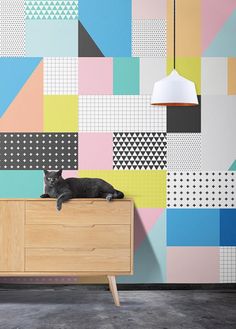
(38, 151)
(207, 189)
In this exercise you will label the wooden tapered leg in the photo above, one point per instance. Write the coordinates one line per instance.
(113, 288)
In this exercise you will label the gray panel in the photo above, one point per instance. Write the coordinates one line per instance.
(218, 132)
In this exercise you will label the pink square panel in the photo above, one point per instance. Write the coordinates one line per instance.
(95, 151)
(193, 265)
(149, 9)
(95, 76)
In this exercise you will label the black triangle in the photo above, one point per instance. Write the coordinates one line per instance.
(87, 46)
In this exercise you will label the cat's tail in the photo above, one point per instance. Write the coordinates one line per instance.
(118, 195)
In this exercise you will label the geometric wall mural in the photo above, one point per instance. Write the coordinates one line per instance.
(75, 91)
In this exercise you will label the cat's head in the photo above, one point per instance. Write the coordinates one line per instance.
(51, 178)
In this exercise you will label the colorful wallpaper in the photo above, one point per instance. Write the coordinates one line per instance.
(75, 86)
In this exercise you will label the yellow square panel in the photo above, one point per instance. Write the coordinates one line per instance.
(189, 67)
(146, 187)
(61, 113)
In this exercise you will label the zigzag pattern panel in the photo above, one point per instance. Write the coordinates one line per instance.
(139, 150)
(201, 189)
(227, 264)
(38, 151)
(120, 114)
(51, 9)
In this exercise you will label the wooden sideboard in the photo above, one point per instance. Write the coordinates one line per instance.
(87, 237)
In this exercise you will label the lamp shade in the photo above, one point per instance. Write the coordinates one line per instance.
(174, 90)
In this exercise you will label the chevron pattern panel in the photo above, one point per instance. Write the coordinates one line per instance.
(75, 89)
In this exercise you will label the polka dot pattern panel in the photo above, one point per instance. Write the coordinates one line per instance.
(38, 151)
(209, 189)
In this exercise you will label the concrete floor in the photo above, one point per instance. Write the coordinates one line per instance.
(79, 307)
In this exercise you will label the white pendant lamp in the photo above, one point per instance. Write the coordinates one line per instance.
(174, 90)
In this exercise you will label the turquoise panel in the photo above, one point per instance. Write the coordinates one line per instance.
(108, 22)
(52, 38)
(193, 227)
(21, 183)
(150, 257)
(224, 44)
(14, 74)
(126, 76)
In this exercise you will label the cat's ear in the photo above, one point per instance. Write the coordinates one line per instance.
(45, 172)
(59, 172)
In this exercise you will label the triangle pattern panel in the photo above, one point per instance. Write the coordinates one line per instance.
(139, 150)
(52, 9)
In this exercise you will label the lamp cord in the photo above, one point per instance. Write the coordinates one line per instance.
(174, 32)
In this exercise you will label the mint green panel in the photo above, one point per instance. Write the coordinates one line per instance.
(126, 76)
(21, 183)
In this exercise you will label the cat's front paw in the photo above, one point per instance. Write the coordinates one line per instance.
(44, 196)
(59, 206)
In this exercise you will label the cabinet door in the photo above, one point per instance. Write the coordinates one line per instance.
(11, 236)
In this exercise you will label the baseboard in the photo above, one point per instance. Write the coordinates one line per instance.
(125, 286)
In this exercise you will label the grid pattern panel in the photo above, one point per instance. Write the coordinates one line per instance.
(227, 264)
(184, 151)
(60, 75)
(149, 37)
(120, 114)
(12, 28)
(211, 189)
(24, 151)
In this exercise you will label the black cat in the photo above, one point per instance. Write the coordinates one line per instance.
(65, 189)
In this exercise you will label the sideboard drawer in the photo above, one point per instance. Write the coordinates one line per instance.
(79, 212)
(68, 236)
(90, 260)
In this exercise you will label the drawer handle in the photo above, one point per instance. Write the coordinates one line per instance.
(78, 226)
(77, 249)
